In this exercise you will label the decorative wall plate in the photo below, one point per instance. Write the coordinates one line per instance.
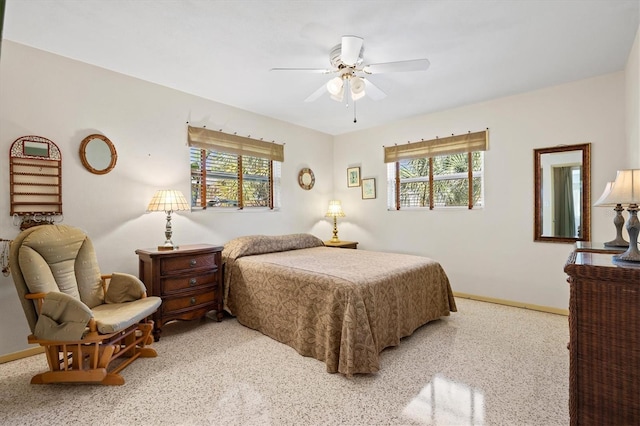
(306, 179)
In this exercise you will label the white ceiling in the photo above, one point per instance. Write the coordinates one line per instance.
(224, 50)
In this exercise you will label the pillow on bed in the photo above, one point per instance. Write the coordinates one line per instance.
(260, 244)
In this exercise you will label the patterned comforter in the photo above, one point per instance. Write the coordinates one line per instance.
(339, 306)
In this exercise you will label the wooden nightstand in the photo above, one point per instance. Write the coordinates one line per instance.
(188, 279)
(342, 244)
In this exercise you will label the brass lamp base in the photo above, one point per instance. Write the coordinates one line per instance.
(335, 238)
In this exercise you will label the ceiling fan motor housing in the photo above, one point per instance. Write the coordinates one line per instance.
(335, 57)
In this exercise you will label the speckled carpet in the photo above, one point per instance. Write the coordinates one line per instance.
(486, 364)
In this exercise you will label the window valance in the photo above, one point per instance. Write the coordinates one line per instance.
(225, 142)
(470, 142)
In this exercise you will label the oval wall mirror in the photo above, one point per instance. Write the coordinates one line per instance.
(98, 155)
(562, 177)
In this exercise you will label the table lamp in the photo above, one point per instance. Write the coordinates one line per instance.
(626, 191)
(168, 200)
(335, 211)
(618, 220)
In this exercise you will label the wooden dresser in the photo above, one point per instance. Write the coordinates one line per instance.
(188, 279)
(604, 347)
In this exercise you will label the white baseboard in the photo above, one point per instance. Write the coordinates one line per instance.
(540, 308)
(21, 354)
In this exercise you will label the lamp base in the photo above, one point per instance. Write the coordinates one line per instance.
(618, 221)
(168, 244)
(617, 243)
(632, 255)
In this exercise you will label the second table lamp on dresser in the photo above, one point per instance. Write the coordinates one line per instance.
(626, 192)
(618, 220)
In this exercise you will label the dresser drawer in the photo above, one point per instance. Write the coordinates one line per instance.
(173, 265)
(187, 302)
(179, 284)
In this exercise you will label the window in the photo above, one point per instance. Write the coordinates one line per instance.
(225, 174)
(438, 173)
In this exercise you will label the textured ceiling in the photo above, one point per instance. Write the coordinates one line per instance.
(224, 50)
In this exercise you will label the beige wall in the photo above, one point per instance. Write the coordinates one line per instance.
(490, 252)
(64, 100)
(632, 103)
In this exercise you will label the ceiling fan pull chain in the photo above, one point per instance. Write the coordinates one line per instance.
(355, 120)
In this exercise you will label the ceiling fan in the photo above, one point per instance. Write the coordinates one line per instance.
(347, 60)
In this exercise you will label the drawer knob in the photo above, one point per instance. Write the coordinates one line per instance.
(192, 282)
(193, 300)
(192, 262)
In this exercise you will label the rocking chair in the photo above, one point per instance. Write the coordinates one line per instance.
(90, 325)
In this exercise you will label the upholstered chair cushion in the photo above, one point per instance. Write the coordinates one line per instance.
(124, 288)
(62, 317)
(55, 258)
(112, 317)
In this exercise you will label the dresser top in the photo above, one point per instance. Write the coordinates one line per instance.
(183, 249)
(602, 266)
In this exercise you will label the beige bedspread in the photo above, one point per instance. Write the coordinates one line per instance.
(339, 306)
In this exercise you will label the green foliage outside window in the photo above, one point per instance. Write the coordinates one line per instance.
(216, 178)
(450, 181)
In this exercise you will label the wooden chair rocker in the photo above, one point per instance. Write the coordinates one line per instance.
(91, 325)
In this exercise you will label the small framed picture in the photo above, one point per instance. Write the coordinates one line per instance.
(353, 176)
(368, 188)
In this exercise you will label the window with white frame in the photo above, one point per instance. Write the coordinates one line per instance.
(440, 173)
(228, 171)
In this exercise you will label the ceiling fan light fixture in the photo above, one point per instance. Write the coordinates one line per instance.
(335, 87)
(338, 96)
(357, 88)
(356, 96)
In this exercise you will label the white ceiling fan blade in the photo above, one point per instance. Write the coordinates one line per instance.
(373, 91)
(350, 51)
(315, 95)
(312, 70)
(400, 66)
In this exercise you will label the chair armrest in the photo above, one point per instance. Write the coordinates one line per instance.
(62, 317)
(38, 297)
(124, 288)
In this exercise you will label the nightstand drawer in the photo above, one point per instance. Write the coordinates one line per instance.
(180, 283)
(173, 265)
(187, 302)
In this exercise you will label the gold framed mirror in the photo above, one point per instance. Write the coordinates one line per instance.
(562, 179)
(98, 155)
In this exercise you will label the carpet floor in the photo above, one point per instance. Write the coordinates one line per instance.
(487, 364)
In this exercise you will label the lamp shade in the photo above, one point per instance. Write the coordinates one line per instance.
(625, 189)
(168, 200)
(335, 209)
(605, 194)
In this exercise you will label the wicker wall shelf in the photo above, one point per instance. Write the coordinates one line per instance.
(35, 177)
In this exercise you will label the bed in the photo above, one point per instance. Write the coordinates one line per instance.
(340, 306)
